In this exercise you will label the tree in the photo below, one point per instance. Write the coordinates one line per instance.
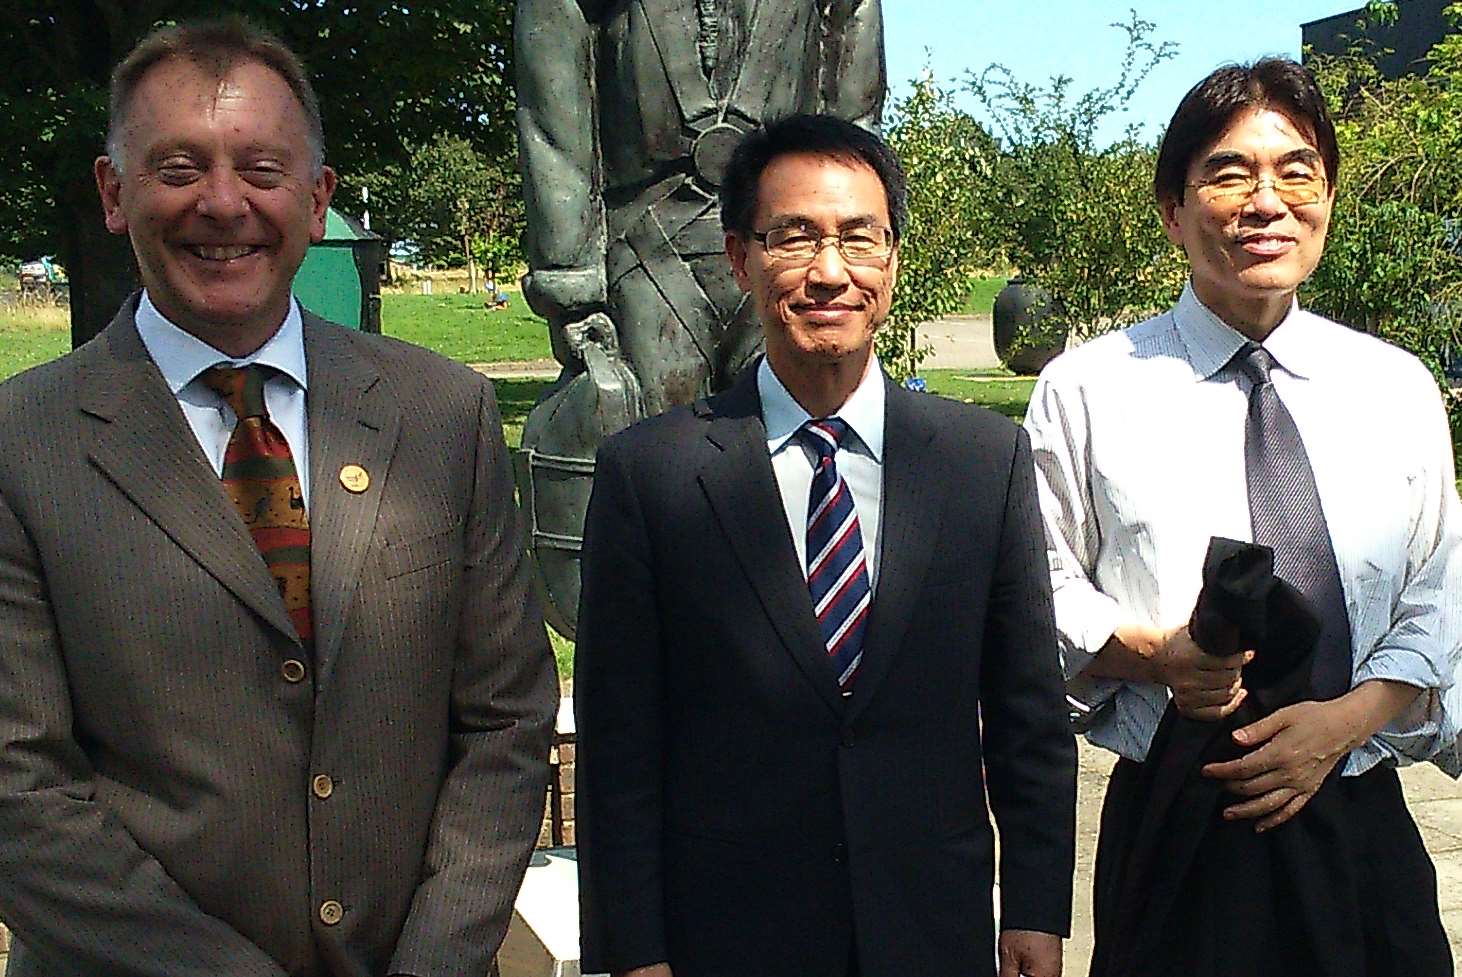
(946, 154)
(391, 75)
(1076, 218)
(1393, 261)
(457, 204)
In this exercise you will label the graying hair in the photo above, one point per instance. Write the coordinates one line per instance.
(216, 47)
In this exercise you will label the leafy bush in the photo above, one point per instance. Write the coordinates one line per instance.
(943, 149)
(1393, 262)
(1075, 218)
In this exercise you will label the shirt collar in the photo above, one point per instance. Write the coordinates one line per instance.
(863, 410)
(181, 356)
(1212, 343)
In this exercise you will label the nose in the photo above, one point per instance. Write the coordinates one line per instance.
(828, 270)
(1265, 202)
(221, 195)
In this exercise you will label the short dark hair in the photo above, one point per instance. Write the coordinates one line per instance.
(1279, 84)
(820, 135)
(215, 46)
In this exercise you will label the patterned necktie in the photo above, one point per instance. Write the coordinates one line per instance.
(837, 573)
(1284, 506)
(259, 475)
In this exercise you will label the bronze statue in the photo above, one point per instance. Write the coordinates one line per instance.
(627, 113)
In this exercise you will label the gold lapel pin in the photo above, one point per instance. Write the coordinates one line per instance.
(355, 479)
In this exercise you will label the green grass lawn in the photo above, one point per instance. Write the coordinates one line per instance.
(981, 299)
(29, 337)
(459, 327)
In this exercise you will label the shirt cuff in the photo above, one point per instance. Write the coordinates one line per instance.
(1421, 730)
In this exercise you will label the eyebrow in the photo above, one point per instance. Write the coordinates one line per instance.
(802, 220)
(1219, 160)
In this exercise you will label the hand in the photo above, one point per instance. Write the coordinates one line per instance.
(1204, 687)
(1298, 746)
(653, 970)
(1027, 953)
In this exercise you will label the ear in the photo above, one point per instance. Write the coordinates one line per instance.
(109, 188)
(1172, 219)
(320, 194)
(737, 251)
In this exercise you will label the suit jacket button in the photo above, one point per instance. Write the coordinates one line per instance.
(293, 671)
(331, 912)
(323, 786)
(848, 738)
(840, 853)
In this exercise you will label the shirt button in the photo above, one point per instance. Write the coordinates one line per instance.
(323, 786)
(331, 912)
(293, 671)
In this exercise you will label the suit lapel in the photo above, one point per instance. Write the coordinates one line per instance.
(352, 421)
(912, 500)
(147, 450)
(742, 492)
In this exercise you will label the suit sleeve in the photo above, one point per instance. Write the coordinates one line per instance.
(565, 239)
(74, 885)
(856, 77)
(504, 699)
(619, 682)
(1029, 751)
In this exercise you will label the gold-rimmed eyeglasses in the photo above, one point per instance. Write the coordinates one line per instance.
(864, 244)
(1237, 189)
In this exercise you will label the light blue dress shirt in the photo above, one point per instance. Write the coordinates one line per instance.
(1138, 438)
(182, 358)
(859, 458)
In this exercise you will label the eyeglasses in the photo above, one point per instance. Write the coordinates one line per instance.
(862, 245)
(1237, 189)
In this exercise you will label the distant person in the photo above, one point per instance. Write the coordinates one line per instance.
(815, 635)
(1238, 414)
(275, 695)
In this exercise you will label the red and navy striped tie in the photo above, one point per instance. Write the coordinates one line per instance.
(837, 571)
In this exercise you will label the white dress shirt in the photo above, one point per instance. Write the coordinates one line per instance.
(182, 358)
(1139, 449)
(859, 458)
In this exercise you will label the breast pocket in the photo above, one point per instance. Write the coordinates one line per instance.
(399, 558)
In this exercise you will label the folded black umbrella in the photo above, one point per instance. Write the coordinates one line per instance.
(1191, 893)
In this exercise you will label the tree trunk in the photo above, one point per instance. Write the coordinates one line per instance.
(471, 265)
(99, 264)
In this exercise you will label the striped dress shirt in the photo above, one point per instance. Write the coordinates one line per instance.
(1139, 448)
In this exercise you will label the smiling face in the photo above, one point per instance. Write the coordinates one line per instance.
(218, 197)
(1249, 253)
(822, 312)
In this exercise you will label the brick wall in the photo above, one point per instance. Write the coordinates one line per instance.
(557, 829)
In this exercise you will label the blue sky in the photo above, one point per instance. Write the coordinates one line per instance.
(1036, 39)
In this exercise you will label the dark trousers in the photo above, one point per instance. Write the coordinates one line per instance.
(1394, 895)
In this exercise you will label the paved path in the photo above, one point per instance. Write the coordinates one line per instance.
(963, 342)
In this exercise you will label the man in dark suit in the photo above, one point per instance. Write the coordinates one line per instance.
(274, 692)
(815, 632)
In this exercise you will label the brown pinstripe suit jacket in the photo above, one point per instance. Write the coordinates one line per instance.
(156, 811)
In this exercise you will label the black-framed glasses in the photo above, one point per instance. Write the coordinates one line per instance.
(864, 244)
(1237, 189)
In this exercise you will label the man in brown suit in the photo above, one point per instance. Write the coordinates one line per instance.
(199, 774)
